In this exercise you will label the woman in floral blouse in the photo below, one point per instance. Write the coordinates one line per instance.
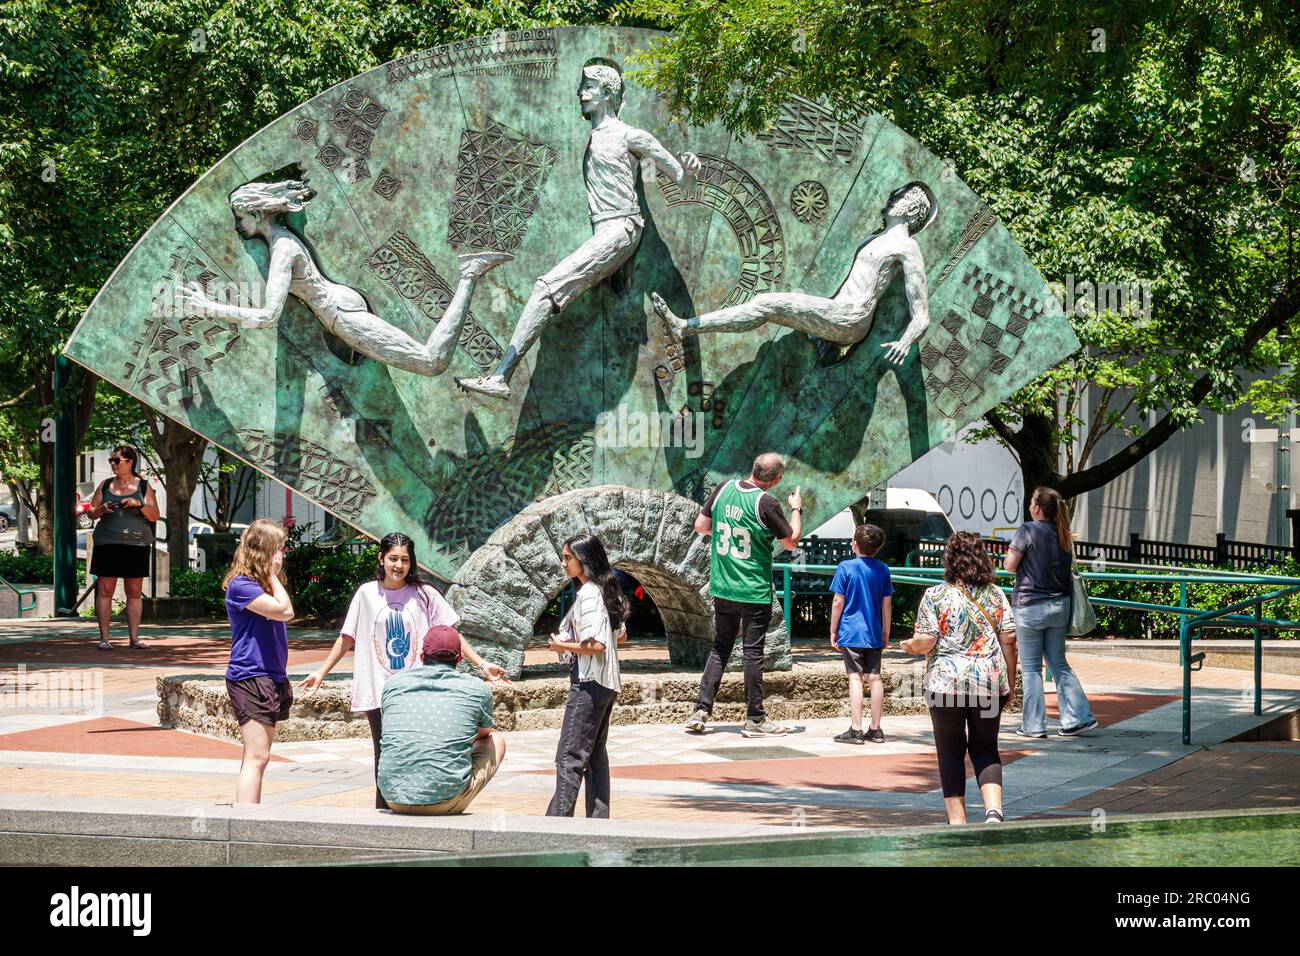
(965, 628)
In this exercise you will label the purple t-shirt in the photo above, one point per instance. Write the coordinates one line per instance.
(259, 646)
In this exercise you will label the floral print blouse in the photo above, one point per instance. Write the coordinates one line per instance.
(966, 658)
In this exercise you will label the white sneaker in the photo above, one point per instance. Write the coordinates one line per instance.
(764, 728)
(696, 724)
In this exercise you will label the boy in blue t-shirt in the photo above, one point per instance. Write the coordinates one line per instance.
(860, 619)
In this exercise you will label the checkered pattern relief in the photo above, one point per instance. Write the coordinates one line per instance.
(958, 353)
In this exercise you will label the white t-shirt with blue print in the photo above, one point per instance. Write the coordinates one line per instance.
(389, 628)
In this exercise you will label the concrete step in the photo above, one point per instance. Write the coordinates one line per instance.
(1279, 656)
(92, 831)
(9, 601)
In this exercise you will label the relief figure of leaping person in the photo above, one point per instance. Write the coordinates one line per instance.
(846, 317)
(259, 208)
(609, 168)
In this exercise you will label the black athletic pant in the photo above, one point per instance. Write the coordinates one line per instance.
(730, 619)
(376, 735)
(965, 725)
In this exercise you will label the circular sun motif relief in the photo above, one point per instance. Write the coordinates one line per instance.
(738, 197)
(412, 283)
(435, 303)
(385, 263)
(809, 201)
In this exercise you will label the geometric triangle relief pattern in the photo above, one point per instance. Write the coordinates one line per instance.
(499, 178)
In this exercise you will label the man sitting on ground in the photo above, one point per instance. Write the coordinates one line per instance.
(438, 749)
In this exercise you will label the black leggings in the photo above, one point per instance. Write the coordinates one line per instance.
(376, 735)
(962, 727)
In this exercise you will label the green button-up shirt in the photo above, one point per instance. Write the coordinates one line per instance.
(431, 715)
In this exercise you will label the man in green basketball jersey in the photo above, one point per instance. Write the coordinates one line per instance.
(743, 521)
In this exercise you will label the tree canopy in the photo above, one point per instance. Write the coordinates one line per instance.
(110, 109)
(1154, 145)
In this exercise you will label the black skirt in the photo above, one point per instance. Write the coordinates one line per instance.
(120, 561)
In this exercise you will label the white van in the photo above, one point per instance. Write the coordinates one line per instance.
(908, 515)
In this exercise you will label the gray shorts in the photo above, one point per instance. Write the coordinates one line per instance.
(862, 660)
(611, 245)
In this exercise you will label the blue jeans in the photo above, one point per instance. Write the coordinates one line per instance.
(1040, 632)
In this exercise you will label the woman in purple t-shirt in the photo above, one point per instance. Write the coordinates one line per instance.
(258, 607)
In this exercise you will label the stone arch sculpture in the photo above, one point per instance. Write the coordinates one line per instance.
(504, 587)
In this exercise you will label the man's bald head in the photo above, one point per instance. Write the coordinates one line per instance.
(768, 468)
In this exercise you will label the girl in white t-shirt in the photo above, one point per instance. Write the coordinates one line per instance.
(589, 637)
(385, 629)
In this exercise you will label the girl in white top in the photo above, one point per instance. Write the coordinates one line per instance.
(385, 629)
(589, 638)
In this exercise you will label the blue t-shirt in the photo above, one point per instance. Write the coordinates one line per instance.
(1044, 569)
(865, 583)
(259, 646)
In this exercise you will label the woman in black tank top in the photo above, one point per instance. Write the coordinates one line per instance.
(125, 508)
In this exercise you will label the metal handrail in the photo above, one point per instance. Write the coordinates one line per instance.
(1192, 618)
(1188, 659)
(19, 592)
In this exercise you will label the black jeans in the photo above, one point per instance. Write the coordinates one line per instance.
(580, 756)
(731, 619)
(964, 726)
(376, 736)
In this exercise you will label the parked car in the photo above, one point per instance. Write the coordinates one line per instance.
(84, 520)
(8, 517)
(197, 556)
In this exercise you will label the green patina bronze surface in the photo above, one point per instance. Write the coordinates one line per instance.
(480, 145)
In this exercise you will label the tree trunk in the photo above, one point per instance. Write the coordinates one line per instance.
(1035, 446)
(222, 508)
(181, 452)
(1038, 456)
(82, 386)
(20, 493)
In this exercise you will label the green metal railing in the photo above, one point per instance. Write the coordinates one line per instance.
(20, 592)
(1193, 619)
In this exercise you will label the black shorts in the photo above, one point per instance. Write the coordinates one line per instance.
(119, 560)
(862, 660)
(261, 699)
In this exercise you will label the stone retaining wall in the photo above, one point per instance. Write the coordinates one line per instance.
(199, 703)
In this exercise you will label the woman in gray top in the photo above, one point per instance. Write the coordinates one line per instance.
(1041, 556)
(126, 509)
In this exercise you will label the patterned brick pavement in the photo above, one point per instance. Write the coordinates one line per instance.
(113, 735)
(660, 773)
(1226, 777)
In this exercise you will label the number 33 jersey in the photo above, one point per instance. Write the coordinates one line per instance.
(746, 522)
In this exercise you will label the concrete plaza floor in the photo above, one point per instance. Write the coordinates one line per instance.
(667, 784)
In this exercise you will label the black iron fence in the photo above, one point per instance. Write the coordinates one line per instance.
(1223, 553)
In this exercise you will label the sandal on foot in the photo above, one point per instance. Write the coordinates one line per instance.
(105, 646)
(137, 646)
